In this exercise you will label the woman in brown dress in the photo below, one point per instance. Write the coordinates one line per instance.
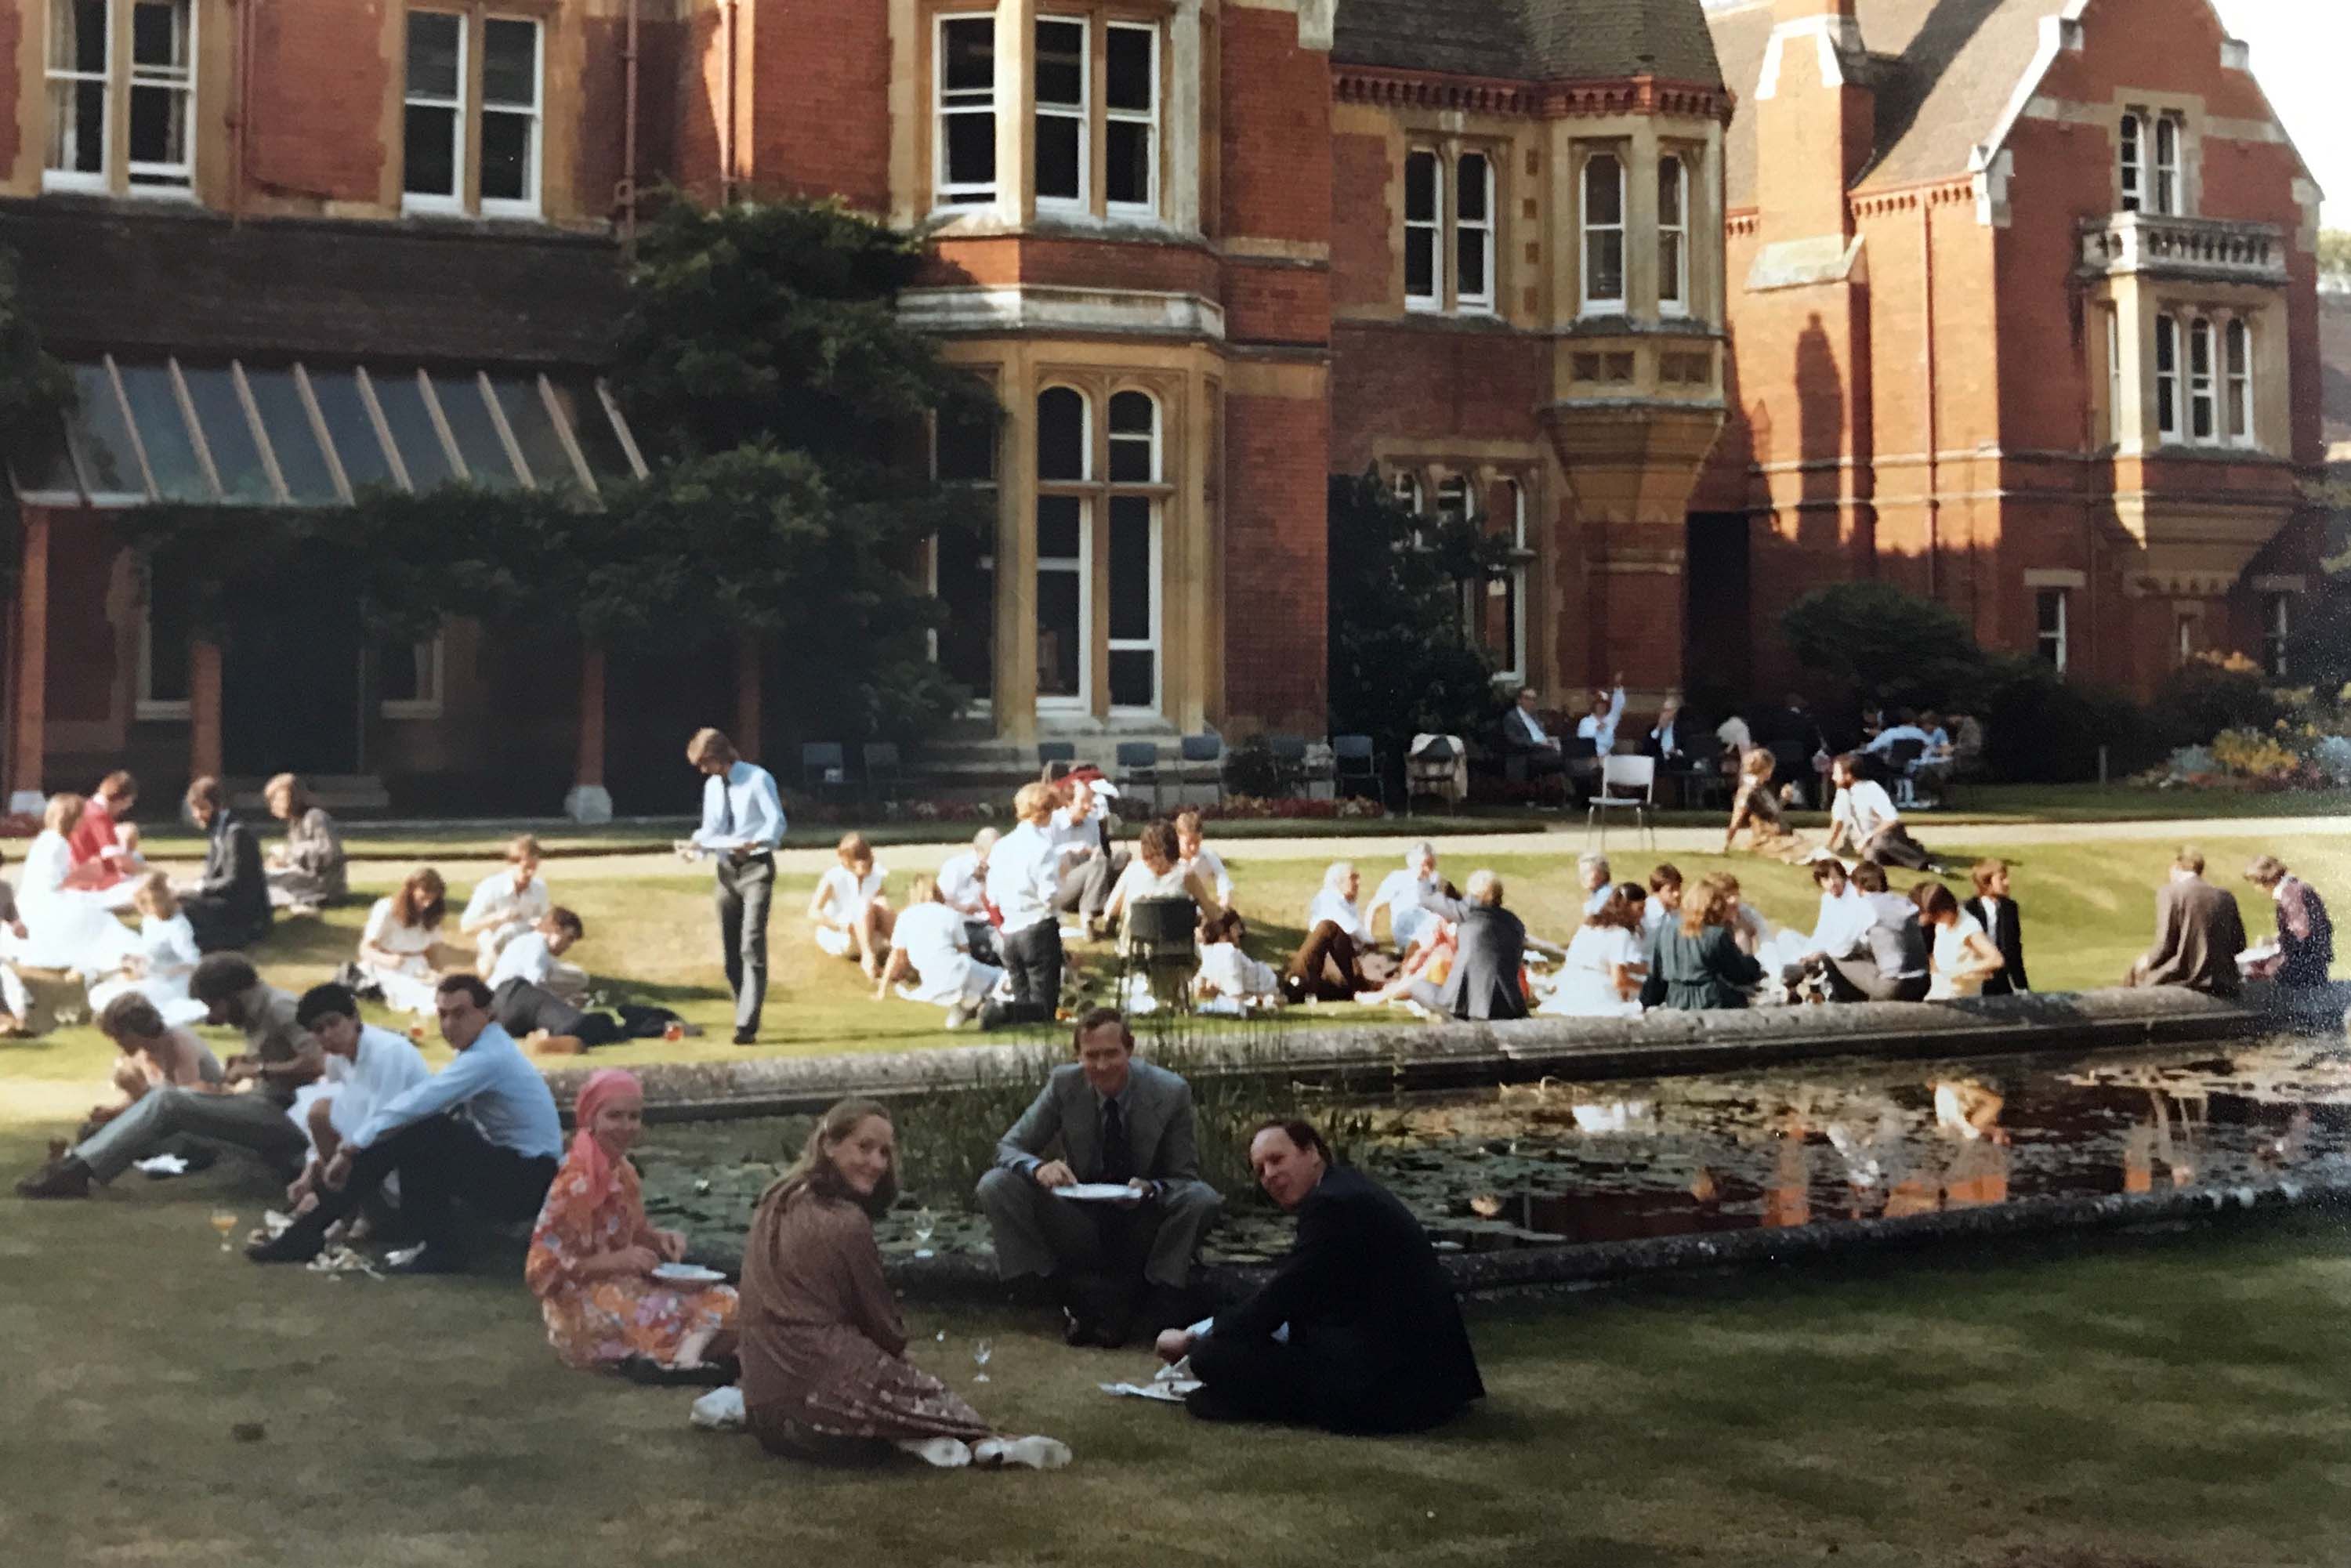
(825, 1375)
(1756, 810)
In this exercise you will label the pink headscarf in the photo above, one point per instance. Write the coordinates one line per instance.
(604, 1085)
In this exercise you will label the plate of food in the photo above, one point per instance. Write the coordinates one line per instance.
(1096, 1191)
(687, 1274)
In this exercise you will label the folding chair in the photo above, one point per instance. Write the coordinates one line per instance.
(824, 765)
(1901, 757)
(1163, 944)
(1195, 752)
(1626, 783)
(1355, 760)
(1429, 771)
(1289, 760)
(1055, 758)
(1138, 761)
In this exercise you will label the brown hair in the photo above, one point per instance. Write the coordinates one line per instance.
(565, 920)
(422, 899)
(1094, 1018)
(63, 813)
(205, 791)
(2190, 859)
(1983, 870)
(2267, 870)
(472, 985)
(1759, 762)
(1935, 901)
(119, 785)
(815, 1172)
(1666, 875)
(1157, 841)
(1224, 925)
(853, 850)
(709, 745)
(1716, 901)
(1824, 869)
(129, 1017)
(524, 847)
(1623, 909)
(1869, 876)
(1189, 822)
(156, 892)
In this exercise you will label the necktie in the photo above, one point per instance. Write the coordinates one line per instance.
(1117, 1158)
(725, 810)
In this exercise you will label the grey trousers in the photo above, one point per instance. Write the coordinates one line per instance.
(1037, 1233)
(250, 1121)
(1085, 885)
(746, 888)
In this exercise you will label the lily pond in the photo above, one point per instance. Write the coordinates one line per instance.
(1551, 1165)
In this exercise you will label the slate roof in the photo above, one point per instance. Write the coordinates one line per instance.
(1531, 40)
(1948, 70)
(154, 280)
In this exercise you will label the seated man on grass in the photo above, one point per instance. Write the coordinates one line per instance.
(280, 1057)
(1358, 1330)
(155, 1056)
(1118, 1122)
(367, 1067)
(484, 1129)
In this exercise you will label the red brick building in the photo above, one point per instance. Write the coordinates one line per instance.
(2012, 303)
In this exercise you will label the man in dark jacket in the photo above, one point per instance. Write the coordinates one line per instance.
(2306, 936)
(2198, 933)
(229, 907)
(1358, 1330)
(1993, 909)
(1490, 950)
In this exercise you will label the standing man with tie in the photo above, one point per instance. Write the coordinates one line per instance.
(742, 821)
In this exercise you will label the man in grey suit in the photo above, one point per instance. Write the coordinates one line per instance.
(2198, 933)
(1119, 1122)
(1484, 982)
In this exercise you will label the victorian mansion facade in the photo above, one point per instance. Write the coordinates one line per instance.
(1698, 306)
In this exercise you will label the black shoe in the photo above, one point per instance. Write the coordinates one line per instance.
(645, 1372)
(1207, 1405)
(298, 1243)
(64, 1176)
(747, 1037)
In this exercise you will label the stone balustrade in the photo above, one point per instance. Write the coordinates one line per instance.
(2215, 249)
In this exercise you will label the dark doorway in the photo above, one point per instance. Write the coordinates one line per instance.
(1717, 644)
(291, 682)
(654, 702)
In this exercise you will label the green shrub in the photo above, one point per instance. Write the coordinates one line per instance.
(2041, 729)
(2214, 691)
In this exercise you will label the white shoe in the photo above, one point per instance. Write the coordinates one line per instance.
(1023, 1453)
(721, 1410)
(945, 1453)
(959, 1015)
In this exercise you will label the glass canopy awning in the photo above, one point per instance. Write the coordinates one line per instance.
(313, 436)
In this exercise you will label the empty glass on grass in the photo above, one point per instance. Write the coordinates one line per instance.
(981, 1349)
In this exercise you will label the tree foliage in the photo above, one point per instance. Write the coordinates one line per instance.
(780, 405)
(2334, 261)
(1402, 662)
(1886, 645)
(34, 390)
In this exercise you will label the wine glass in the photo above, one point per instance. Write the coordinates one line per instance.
(981, 1349)
(926, 1224)
(223, 1221)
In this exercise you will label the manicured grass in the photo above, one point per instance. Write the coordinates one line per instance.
(2142, 1402)
(2133, 803)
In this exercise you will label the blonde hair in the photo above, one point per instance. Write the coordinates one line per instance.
(524, 847)
(1714, 902)
(290, 785)
(155, 896)
(853, 850)
(63, 813)
(1031, 798)
(923, 890)
(709, 745)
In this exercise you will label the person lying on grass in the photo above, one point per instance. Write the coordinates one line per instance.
(593, 1253)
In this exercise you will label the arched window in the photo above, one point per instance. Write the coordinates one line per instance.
(1134, 439)
(1064, 450)
(1099, 641)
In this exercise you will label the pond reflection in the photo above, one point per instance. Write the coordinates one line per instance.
(1555, 1163)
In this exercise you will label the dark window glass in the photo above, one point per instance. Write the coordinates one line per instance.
(511, 62)
(292, 441)
(101, 436)
(487, 463)
(433, 43)
(410, 423)
(1060, 433)
(971, 154)
(1470, 176)
(1134, 426)
(967, 592)
(1131, 83)
(229, 435)
(164, 432)
(1132, 677)
(1057, 174)
(534, 431)
(429, 151)
(1420, 187)
(1061, 522)
(171, 627)
(506, 157)
(592, 427)
(969, 44)
(1059, 634)
(1129, 569)
(965, 451)
(1061, 63)
(350, 429)
(1126, 162)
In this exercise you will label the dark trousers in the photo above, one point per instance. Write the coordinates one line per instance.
(746, 888)
(1335, 1381)
(223, 922)
(1860, 979)
(1032, 966)
(1325, 967)
(441, 1159)
(982, 936)
(522, 1008)
(1085, 885)
(1895, 847)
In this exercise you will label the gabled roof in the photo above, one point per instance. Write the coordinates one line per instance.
(1531, 40)
(1947, 72)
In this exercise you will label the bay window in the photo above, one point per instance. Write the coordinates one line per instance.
(2240, 341)
(143, 49)
(1473, 233)
(963, 131)
(1104, 502)
(1673, 236)
(1604, 234)
(2203, 418)
(1131, 123)
(1451, 254)
(1423, 230)
(1062, 81)
(2167, 378)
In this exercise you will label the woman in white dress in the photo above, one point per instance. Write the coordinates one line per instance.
(930, 944)
(167, 956)
(400, 947)
(1963, 957)
(852, 914)
(65, 928)
(1605, 962)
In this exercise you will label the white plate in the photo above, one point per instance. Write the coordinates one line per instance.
(1096, 1191)
(686, 1274)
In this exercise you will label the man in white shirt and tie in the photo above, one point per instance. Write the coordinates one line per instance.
(483, 1128)
(963, 887)
(742, 821)
(1024, 877)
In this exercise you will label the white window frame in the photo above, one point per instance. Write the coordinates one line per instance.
(1083, 563)
(1589, 234)
(1405, 485)
(144, 705)
(430, 667)
(1515, 675)
(2114, 375)
(1673, 238)
(1148, 119)
(2170, 187)
(2052, 644)
(2169, 422)
(460, 151)
(1082, 112)
(2203, 384)
(1130, 489)
(531, 205)
(2237, 370)
(1150, 644)
(2277, 632)
(1432, 227)
(167, 180)
(52, 75)
(1480, 299)
(2131, 144)
(949, 195)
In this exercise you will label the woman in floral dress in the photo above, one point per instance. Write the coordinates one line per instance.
(825, 1374)
(592, 1254)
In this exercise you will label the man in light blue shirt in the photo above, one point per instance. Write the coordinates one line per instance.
(483, 1128)
(742, 821)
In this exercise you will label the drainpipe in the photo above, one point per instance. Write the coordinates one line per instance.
(1934, 425)
(242, 119)
(628, 140)
(726, 141)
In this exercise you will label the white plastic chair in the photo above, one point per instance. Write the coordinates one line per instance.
(1626, 783)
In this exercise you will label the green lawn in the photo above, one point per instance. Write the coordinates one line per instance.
(2142, 1402)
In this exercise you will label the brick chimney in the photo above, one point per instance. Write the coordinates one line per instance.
(1815, 118)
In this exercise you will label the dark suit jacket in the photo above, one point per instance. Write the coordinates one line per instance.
(233, 875)
(1484, 981)
(2198, 935)
(1517, 737)
(2009, 940)
(1686, 737)
(1370, 1311)
(2305, 936)
(1159, 1130)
